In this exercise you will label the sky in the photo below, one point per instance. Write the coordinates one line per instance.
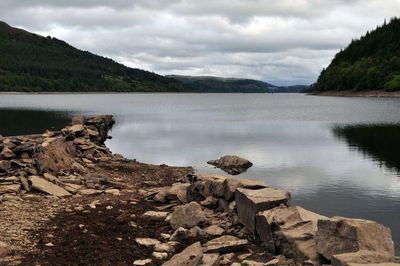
(284, 42)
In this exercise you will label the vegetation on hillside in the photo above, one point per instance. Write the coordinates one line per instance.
(32, 63)
(370, 63)
(209, 84)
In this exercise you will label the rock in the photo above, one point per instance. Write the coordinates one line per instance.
(77, 129)
(291, 231)
(5, 165)
(13, 189)
(210, 202)
(59, 155)
(47, 187)
(178, 191)
(225, 244)
(147, 242)
(213, 185)
(227, 259)
(160, 255)
(232, 164)
(250, 202)
(78, 120)
(7, 153)
(155, 216)
(231, 184)
(190, 256)
(252, 263)
(164, 247)
(113, 191)
(89, 191)
(343, 235)
(142, 262)
(214, 230)
(361, 257)
(4, 249)
(210, 259)
(187, 216)
(180, 234)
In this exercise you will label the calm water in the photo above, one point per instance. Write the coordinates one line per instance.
(337, 156)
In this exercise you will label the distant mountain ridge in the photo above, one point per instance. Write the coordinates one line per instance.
(212, 84)
(369, 63)
(32, 63)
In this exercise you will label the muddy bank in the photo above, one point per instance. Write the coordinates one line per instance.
(67, 200)
(373, 93)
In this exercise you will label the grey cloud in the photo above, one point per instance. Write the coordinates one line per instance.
(286, 41)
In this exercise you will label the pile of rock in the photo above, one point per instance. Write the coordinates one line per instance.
(217, 207)
(54, 163)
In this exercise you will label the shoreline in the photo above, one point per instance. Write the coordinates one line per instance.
(66, 193)
(366, 94)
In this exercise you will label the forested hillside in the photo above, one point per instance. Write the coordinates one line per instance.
(32, 63)
(370, 63)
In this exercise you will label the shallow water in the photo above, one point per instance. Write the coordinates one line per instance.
(337, 156)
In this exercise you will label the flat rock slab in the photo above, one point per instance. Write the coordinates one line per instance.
(187, 216)
(225, 244)
(361, 257)
(343, 235)
(190, 256)
(231, 184)
(47, 187)
(155, 216)
(250, 202)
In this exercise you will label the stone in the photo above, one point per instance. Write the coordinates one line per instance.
(160, 255)
(7, 153)
(178, 191)
(231, 184)
(232, 164)
(190, 256)
(213, 185)
(187, 216)
(210, 259)
(5, 165)
(47, 187)
(147, 242)
(13, 189)
(291, 230)
(250, 202)
(210, 202)
(113, 191)
(57, 156)
(214, 230)
(77, 128)
(4, 249)
(225, 244)
(155, 216)
(252, 263)
(89, 191)
(163, 247)
(361, 257)
(142, 262)
(343, 235)
(180, 234)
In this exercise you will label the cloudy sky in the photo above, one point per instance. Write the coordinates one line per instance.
(280, 41)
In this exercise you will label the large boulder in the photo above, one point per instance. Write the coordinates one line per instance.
(232, 164)
(206, 185)
(56, 156)
(231, 184)
(190, 256)
(343, 235)
(250, 202)
(361, 257)
(187, 216)
(291, 231)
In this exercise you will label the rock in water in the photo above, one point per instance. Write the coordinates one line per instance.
(232, 164)
(187, 216)
(250, 202)
(190, 256)
(343, 235)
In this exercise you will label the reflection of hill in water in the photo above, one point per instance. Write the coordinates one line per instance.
(381, 142)
(21, 122)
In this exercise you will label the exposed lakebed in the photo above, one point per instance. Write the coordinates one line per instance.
(337, 156)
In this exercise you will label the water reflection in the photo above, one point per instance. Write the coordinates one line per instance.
(19, 122)
(381, 142)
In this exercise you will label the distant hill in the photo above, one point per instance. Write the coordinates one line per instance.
(370, 63)
(218, 84)
(32, 63)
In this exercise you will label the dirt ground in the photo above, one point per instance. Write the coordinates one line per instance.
(48, 231)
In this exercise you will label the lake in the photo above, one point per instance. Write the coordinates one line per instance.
(337, 156)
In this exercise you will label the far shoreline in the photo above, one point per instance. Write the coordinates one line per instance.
(366, 94)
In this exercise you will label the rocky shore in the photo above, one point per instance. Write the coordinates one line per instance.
(65, 199)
